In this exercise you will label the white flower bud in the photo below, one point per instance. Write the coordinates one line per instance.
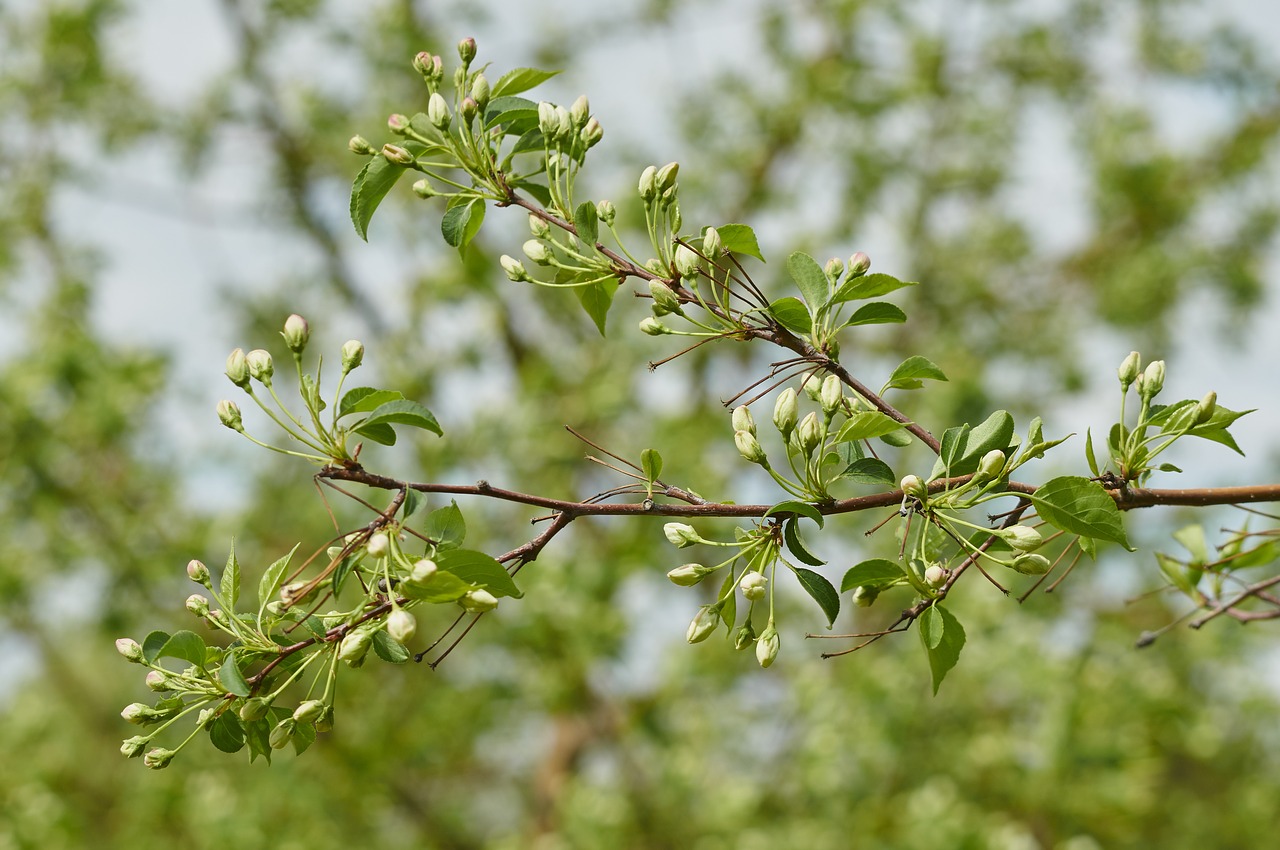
(478, 601)
(158, 758)
(936, 576)
(666, 176)
(592, 133)
(833, 269)
(130, 650)
(864, 596)
(664, 299)
(423, 189)
(712, 244)
(703, 624)
(831, 394)
(158, 681)
(1022, 537)
(260, 365)
(580, 111)
(513, 268)
(785, 412)
(648, 183)
(198, 605)
(354, 647)
(990, 467)
(1153, 379)
(139, 713)
(749, 447)
(813, 387)
(132, 747)
(767, 647)
(296, 333)
(548, 122)
(401, 625)
(912, 485)
(809, 433)
(743, 421)
(481, 90)
(238, 368)
(378, 545)
(606, 212)
(282, 733)
(437, 114)
(229, 415)
(753, 585)
(1128, 371)
(681, 535)
(538, 252)
(309, 711)
(397, 155)
(687, 261)
(1031, 565)
(423, 571)
(651, 326)
(687, 575)
(1206, 407)
(254, 709)
(352, 355)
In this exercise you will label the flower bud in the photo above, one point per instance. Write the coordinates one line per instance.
(1031, 565)
(198, 572)
(580, 111)
(592, 133)
(913, 486)
(130, 650)
(478, 601)
(423, 189)
(198, 605)
(864, 596)
(744, 637)
(352, 355)
(653, 327)
(132, 747)
(229, 415)
(282, 733)
(378, 545)
(1206, 407)
(1128, 371)
(743, 421)
(422, 63)
(831, 394)
(354, 647)
(664, 299)
(397, 155)
(859, 263)
(437, 114)
(324, 723)
(703, 624)
(687, 261)
(990, 467)
(309, 711)
(712, 244)
(812, 387)
(833, 269)
(360, 145)
(238, 368)
(480, 91)
(468, 109)
(437, 69)
(936, 576)
(277, 607)
(401, 625)
(139, 713)
(666, 176)
(681, 535)
(749, 447)
(260, 366)
(606, 212)
(1022, 537)
(649, 184)
(538, 227)
(513, 268)
(767, 646)
(158, 681)
(785, 411)
(467, 50)
(1153, 379)
(548, 121)
(753, 586)
(809, 433)
(687, 575)
(296, 333)
(538, 252)
(423, 571)
(254, 709)
(158, 758)
(398, 124)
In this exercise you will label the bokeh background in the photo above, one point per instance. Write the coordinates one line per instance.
(1070, 179)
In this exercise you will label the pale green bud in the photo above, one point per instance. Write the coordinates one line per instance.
(687, 575)
(354, 647)
(767, 646)
(468, 109)
(352, 355)
(936, 576)
(749, 447)
(1031, 565)
(397, 123)
(666, 176)
(864, 596)
(812, 387)
(538, 227)
(744, 637)
(130, 650)
(654, 265)
(831, 394)
(833, 269)
(703, 624)
(198, 605)
(564, 124)
(809, 433)
(592, 133)
(309, 711)
(680, 534)
(282, 733)
(423, 571)
(423, 189)
(238, 368)
(664, 299)
(139, 713)
(548, 123)
(480, 91)
(753, 586)
(1022, 537)
(260, 365)
(537, 251)
(158, 758)
(712, 244)
(653, 327)
(277, 607)
(687, 261)
(437, 114)
(132, 747)
(912, 485)
(649, 184)
(1128, 371)
(360, 145)
(397, 155)
(607, 212)
(324, 722)
(1206, 407)
(158, 680)
(254, 709)
(1153, 379)
(859, 263)
(514, 268)
(198, 572)
(296, 333)
(580, 111)
(991, 465)
(401, 625)
(378, 545)
(743, 421)
(478, 601)
(785, 411)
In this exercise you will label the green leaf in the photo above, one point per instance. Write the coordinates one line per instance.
(822, 592)
(258, 735)
(341, 572)
(800, 508)
(152, 644)
(911, 374)
(226, 732)
(364, 399)
(865, 425)
(947, 636)
(443, 587)
(876, 313)
(729, 608)
(931, 627)
(412, 501)
(271, 579)
(596, 299)
(1193, 540)
(372, 185)
(1080, 506)
(810, 279)
(539, 192)
(401, 412)
(230, 585)
(478, 568)
(519, 79)
(792, 315)
(446, 526)
(963, 454)
(791, 534)
(462, 222)
(877, 572)
(303, 736)
(1176, 572)
(389, 649)
(740, 239)
(869, 470)
(184, 645)
(869, 286)
(231, 677)
(516, 114)
(382, 433)
(587, 222)
(651, 463)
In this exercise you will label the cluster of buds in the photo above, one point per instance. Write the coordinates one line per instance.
(572, 129)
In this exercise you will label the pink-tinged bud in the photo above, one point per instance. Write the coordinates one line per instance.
(238, 368)
(398, 124)
(360, 145)
(130, 650)
(158, 758)
(468, 109)
(936, 576)
(198, 605)
(422, 63)
(158, 681)
(198, 572)
(859, 263)
(296, 333)
(397, 155)
(467, 50)
(833, 269)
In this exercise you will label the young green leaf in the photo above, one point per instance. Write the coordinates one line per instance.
(800, 508)
(931, 627)
(372, 185)
(152, 644)
(792, 315)
(869, 470)
(477, 568)
(389, 649)
(519, 79)
(378, 432)
(231, 677)
(271, 580)
(876, 313)
(911, 374)
(822, 592)
(226, 732)
(1080, 506)
(740, 239)
(791, 535)
(809, 279)
(364, 399)
(947, 638)
(184, 645)
(443, 587)
(446, 526)
(865, 425)
(869, 286)
(230, 585)
(651, 463)
(462, 222)
(516, 114)
(412, 501)
(596, 299)
(877, 572)
(587, 222)
(402, 412)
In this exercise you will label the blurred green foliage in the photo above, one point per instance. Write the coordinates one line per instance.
(577, 717)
